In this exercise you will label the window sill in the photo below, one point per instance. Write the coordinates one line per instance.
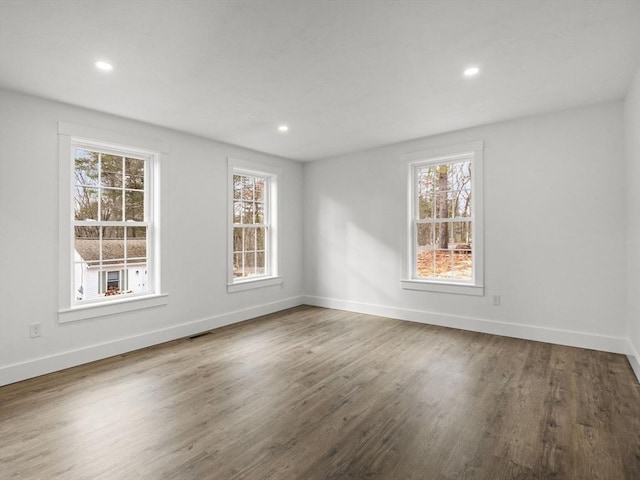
(443, 287)
(113, 307)
(243, 285)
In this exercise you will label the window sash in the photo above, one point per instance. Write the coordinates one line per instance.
(266, 225)
(416, 220)
(101, 267)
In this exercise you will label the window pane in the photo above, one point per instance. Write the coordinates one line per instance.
(259, 210)
(134, 206)
(459, 203)
(86, 261)
(460, 175)
(249, 263)
(441, 178)
(460, 235)
(442, 205)
(137, 232)
(441, 235)
(237, 239)
(111, 205)
(424, 249)
(426, 178)
(237, 211)
(447, 211)
(260, 185)
(136, 244)
(248, 212)
(86, 203)
(250, 239)
(112, 245)
(80, 290)
(237, 186)
(134, 173)
(462, 265)
(237, 265)
(87, 245)
(261, 234)
(426, 206)
(260, 263)
(111, 172)
(247, 188)
(86, 167)
(443, 263)
(425, 236)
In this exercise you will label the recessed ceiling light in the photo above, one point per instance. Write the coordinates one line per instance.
(105, 66)
(471, 71)
(283, 128)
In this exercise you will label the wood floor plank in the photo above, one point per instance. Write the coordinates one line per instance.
(312, 393)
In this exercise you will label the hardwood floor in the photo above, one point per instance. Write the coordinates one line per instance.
(310, 393)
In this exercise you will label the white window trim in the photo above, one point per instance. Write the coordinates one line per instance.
(237, 165)
(69, 310)
(409, 280)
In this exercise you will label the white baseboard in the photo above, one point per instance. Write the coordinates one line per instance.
(41, 366)
(526, 332)
(634, 359)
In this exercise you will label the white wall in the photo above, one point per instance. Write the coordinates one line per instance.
(554, 231)
(196, 224)
(556, 241)
(632, 137)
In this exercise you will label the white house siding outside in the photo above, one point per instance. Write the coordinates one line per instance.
(87, 278)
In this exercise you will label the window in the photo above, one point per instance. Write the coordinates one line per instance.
(112, 221)
(445, 221)
(253, 240)
(109, 225)
(113, 283)
(250, 226)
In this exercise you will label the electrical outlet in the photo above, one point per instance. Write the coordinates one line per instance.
(496, 300)
(35, 330)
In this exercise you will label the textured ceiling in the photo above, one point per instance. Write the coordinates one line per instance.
(345, 75)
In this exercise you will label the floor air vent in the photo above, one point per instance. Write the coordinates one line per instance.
(197, 335)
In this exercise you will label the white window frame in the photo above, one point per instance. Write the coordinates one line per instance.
(473, 152)
(71, 136)
(271, 174)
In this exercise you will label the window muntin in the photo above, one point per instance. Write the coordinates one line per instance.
(443, 220)
(111, 222)
(251, 226)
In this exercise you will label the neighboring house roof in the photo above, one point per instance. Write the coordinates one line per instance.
(89, 251)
